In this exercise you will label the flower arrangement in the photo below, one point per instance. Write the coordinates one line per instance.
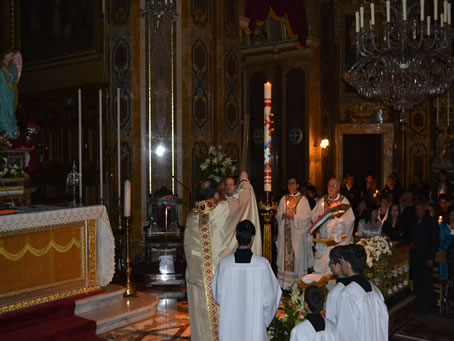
(217, 165)
(379, 250)
(10, 169)
(4, 141)
(290, 315)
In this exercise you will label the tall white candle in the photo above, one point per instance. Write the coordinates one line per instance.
(127, 196)
(445, 10)
(435, 10)
(421, 12)
(428, 26)
(372, 13)
(79, 102)
(442, 20)
(404, 9)
(449, 13)
(357, 21)
(101, 192)
(267, 180)
(361, 16)
(388, 11)
(118, 147)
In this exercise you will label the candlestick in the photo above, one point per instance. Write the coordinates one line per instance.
(79, 97)
(130, 290)
(428, 26)
(388, 11)
(438, 109)
(448, 107)
(361, 16)
(127, 196)
(445, 10)
(404, 9)
(101, 192)
(435, 10)
(421, 12)
(372, 13)
(118, 152)
(267, 137)
(449, 13)
(357, 21)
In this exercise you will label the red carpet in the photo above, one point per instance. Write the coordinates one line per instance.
(51, 321)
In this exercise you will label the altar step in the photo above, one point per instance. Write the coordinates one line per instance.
(111, 310)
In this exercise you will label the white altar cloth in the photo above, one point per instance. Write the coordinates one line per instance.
(105, 243)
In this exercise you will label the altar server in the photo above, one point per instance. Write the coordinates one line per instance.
(294, 244)
(246, 290)
(314, 327)
(362, 313)
(333, 294)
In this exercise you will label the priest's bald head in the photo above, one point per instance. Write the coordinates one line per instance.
(333, 188)
(207, 190)
(245, 233)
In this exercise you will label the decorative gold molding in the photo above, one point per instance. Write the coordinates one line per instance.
(362, 112)
(49, 298)
(92, 252)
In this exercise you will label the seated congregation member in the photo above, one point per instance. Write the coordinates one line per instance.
(362, 313)
(370, 226)
(333, 295)
(392, 226)
(314, 327)
(246, 290)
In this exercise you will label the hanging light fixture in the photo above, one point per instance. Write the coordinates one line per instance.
(409, 59)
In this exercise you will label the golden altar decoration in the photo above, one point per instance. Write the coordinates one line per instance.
(51, 253)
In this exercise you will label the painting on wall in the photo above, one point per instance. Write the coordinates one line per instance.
(50, 31)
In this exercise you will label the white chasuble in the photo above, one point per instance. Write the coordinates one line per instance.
(248, 296)
(306, 332)
(361, 315)
(294, 244)
(333, 229)
(209, 236)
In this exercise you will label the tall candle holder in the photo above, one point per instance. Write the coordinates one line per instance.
(268, 211)
(130, 289)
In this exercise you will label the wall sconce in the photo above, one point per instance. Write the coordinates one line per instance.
(323, 143)
(160, 150)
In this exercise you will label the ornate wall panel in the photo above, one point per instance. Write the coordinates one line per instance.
(200, 11)
(232, 111)
(201, 106)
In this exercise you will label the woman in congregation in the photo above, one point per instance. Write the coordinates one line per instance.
(370, 226)
(383, 212)
(392, 226)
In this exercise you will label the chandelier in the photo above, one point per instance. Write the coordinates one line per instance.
(409, 59)
(159, 10)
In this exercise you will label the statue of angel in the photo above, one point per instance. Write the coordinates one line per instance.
(11, 71)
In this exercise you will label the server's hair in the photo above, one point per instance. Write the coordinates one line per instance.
(336, 253)
(356, 255)
(315, 298)
(244, 232)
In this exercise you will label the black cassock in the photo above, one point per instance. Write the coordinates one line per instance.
(423, 235)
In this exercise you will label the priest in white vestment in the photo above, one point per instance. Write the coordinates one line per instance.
(314, 327)
(246, 290)
(294, 243)
(337, 228)
(209, 236)
(362, 313)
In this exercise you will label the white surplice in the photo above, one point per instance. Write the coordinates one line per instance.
(361, 315)
(301, 241)
(332, 302)
(333, 229)
(248, 296)
(306, 332)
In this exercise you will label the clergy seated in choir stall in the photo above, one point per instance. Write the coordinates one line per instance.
(209, 236)
(340, 281)
(337, 229)
(246, 290)
(294, 243)
(361, 310)
(315, 327)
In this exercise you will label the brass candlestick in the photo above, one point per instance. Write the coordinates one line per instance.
(268, 210)
(130, 290)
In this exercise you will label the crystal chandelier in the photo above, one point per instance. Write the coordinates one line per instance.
(158, 10)
(409, 59)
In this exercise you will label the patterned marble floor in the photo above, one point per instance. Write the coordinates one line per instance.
(171, 322)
